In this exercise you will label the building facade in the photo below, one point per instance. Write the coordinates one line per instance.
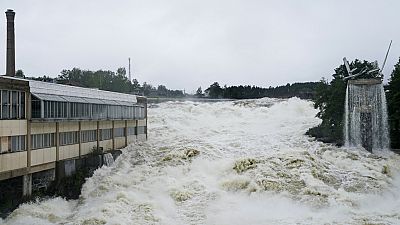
(45, 123)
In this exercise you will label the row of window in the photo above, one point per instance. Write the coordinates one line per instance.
(69, 138)
(88, 136)
(119, 132)
(39, 141)
(54, 109)
(43, 141)
(105, 134)
(15, 144)
(12, 104)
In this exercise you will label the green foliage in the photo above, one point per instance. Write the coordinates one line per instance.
(330, 100)
(302, 90)
(199, 93)
(214, 91)
(105, 80)
(20, 74)
(109, 81)
(393, 98)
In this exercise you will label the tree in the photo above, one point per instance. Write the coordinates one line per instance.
(147, 89)
(394, 106)
(135, 84)
(199, 92)
(162, 91)
(214, 91)
(121, 72)
(330, 100)
(19, 73)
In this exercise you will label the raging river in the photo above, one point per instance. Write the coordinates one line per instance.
(231, 162)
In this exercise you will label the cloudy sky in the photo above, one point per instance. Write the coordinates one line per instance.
(189, 43)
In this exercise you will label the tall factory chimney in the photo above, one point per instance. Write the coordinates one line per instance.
(10, 61)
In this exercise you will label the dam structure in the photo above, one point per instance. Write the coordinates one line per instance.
(366, 119)
(48, 130)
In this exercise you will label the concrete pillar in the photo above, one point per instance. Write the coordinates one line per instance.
(80, 138)
(98, 134)
(28, 116)
(145, 116)
(112, 135)
(136, 129)
(57, 141)
(126, 133)
(27, 185)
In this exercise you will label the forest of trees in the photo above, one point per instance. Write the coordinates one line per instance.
(109, 81)
(393, 98)
(301, 90)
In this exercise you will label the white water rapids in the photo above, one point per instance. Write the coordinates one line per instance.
(240, 162)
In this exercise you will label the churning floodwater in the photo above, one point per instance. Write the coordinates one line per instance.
(236, 162)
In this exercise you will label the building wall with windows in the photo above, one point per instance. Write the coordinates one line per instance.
(42, 123)
(13, 161)
(141, 130)
(13, 125)
(119, 134)
(43, 156)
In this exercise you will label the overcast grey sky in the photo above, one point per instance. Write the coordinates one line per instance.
(187, 43)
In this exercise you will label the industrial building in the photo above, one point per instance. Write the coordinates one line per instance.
(45, 124)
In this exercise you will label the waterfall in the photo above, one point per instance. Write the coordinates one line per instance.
(366, 120)
(108, 159)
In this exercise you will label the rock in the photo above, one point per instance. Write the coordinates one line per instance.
(244, 165)
(386, 170)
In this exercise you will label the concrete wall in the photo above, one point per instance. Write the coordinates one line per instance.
(12, 161)
(106, 144)
(119, 123)
(42, 128)
(105, 124)
(119, 142)
(68, 126)
(131, 123)
(89, 125)
(13, 127)
(68, 151)
(142, 123)
(131, 138)
(42, 156)
(87, 148)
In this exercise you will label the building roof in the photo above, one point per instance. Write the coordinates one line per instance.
(65, 93)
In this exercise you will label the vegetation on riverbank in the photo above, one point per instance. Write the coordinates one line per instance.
(302, 90)
(393, 97)
(109, 81)
(330, 100)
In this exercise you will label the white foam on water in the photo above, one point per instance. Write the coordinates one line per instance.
(239, 162)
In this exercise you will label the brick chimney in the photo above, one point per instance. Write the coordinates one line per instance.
(10, 58)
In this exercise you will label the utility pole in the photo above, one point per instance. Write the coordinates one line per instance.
(129, 69)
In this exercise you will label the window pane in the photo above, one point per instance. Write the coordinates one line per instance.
(22, 105)
(5, 104)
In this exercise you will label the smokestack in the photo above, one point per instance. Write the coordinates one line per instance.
(10, 64)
